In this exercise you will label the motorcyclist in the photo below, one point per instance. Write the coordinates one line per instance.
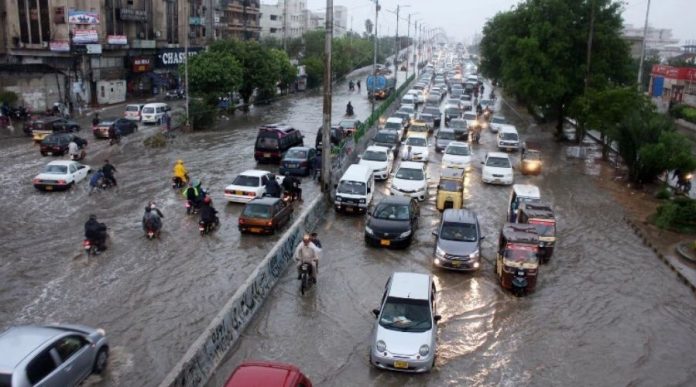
(315, 240)
(152, 220)
(95, 180)
(479, 109)
(307, 252)
(292, 185)
(351, 86)
(208, 212)
(349, 109)
(108, 171)
(193, 195)
(273, 189)
(180, 174)
(74, 150)
(95, 232)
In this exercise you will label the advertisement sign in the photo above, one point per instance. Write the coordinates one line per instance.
(682, 73)
(116, 39)
(196, 21)
(85, 36)
(59, 46)
(130, 14)
(173, 57)
(76, 16)
(141, 64)
(93, 48)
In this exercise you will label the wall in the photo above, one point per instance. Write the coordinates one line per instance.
(110, 92)
(36, 91)
(206, 353)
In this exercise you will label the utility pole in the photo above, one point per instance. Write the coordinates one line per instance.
(285, 25)
(590, 37)
(326, 127)
(642, 49)
(189, 121)
(374, 57)
(397, 45)
(408, 49)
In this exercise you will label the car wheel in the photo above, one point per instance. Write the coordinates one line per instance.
(101, 360)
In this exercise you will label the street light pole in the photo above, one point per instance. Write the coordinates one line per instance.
(374, 57)
(326, 126)
(189, 121)
(642, 49)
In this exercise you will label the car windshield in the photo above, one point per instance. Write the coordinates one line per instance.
(255, 210)
(55, 169)
(469, 116)
(406, 109)
(509, 136)
(391, 211)
(246, 181)
(453, 101)
(107, 121)
(410, 174)
(522, 254)
(351, 187)
(148, 110)
(382, 137)
(416, 141)
(405, 314)
(497, 120)
(432, 110)
(53, 140)
(371, 155)
(531, 155)
(453, 112)
(498, 162)
(458, 151)
(544, 228)
(419, 128)
(132, 108)
(458, 124)
(347, 124)
(450, 185)
(445, 136)
(393, 125)
(460, 232)
(296, 154)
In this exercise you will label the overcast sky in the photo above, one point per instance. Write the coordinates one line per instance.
(464, 18)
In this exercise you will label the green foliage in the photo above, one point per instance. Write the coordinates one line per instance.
(664, 193)
(213, 72)
(678, 214)
(684, 112)
(314, 67)
(8, 97)
(202, 115)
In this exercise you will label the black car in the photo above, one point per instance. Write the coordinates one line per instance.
(437, 114)
(123, 127)
(387, 138)
(337, 135)
(392, 222)
(56, 144)
(55, 124)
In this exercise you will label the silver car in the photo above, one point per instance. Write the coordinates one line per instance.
(458, 245)
(405, 333)
(57, 355)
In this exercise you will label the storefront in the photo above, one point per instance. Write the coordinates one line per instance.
(140, 82)
(166, 72)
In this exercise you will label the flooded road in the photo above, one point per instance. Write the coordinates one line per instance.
(153, 298)
(606, 311)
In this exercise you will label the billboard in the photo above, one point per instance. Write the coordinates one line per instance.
(75, 16)
(85, 36)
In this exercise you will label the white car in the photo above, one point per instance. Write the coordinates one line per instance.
(395, 123)
(418, 94)
(457, 155)
(410, 180)
(470, 118)
(379, 159)
(249, 185)
(508, 138)
(60, 175)
(415, 148)
(496, 122)
(410, 110)
(497, 169)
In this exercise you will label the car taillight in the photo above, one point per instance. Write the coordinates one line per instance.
(269, 223)
(61, 181)
(35, 181)
(251, 194)
(241, 221)
(228, 192)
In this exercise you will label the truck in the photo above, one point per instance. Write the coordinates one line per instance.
(380, 86)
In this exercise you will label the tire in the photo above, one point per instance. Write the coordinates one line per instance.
(304, 285)
(101, 361)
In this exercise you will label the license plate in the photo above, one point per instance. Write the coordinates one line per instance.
(255, 229)
(456, 263)
(349, 209)
(292, 165)
(238, 193)
(49, 188)
(385, 242)
(497, 181)
(266, 155)
(400, 364)
(49, 153)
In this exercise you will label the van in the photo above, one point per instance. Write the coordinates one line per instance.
(133, 112)
(354, 190)
(152, 112)
(273, 140)
(508, 138)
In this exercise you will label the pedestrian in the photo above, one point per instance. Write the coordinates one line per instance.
(358, 84)
(316, 166)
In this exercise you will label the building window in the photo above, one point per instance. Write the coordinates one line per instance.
(274, 17)
(34, 22)
(113, 27)
(172, 22)
(274, 30)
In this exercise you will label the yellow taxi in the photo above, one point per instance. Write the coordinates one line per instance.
(450, 189)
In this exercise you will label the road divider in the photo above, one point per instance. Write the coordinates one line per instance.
(205, 354)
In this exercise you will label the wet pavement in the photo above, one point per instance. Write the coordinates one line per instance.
(153, 298)
(606, 311)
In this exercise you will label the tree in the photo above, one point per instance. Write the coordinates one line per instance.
(287, 73)
(213, 72)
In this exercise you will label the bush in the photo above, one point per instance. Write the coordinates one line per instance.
(684, 112)
(663, 193)
(678, 214)
(202, 115)
(8, 97)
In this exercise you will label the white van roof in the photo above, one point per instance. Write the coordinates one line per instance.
(527, 191)
(357, 172)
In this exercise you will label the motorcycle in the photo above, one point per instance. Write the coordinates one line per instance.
(305, 277)
(191, 208)
(684, 184)
(476, 137)
(206, 228)
(90, 248)
(178, 183)
(287, 197)
(350, 112)
(174, 94)
(151, 233)
(105, 183)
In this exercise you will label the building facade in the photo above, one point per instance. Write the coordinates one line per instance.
(670, 84)
(282, 15)
(108, 50)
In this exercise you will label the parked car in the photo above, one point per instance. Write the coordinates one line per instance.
(264, 215)
(404, 337)
(56, 144)
(379, 159)
(497, 169)
(410, 180)
(458, 244)
(267, 373)
(392, 222)
(60, 175)
(297, 161)
(56, 355)
(122, 125)
(248, 185)
(134, 112)
(457, 155)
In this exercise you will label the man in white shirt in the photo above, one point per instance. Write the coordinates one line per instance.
(307, 252)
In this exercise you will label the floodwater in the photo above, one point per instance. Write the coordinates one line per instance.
(606, 311)
(153, 298)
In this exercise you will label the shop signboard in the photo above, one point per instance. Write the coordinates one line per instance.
(76, 16)
(173, 57)
(94, 49)
(59, 46)
(141, 64)
(85, 36)
(117, 39)
(131, 14)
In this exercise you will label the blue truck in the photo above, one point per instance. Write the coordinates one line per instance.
(380, 86)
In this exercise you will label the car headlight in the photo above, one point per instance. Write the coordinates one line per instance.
(405, 234)
(424, 350)
(439, 252)
(369, 230)
(474, 255)
(381, 346)
(362, 201)
(338, 198)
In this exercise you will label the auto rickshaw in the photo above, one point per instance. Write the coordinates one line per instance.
(531, 162)
(419, 126)
(542, 217)
(517, 262)
(521, 193)
(450, 189)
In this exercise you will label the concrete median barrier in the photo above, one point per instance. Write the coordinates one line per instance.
(211, 347)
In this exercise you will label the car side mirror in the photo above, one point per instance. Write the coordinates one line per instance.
(435, 233)
(483, 237)
(369, 190)
(335, 186)
(482, 162)
(375, 312)
(437, 318)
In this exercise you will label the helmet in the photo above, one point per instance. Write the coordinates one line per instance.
(92, 217)
(207, 200)
(196, 183)
(179, 161)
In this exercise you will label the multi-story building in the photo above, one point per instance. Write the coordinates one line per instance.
(106, 50)
(658, 41)
(284, 19)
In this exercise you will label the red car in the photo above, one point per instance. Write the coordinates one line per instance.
(267, 374)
